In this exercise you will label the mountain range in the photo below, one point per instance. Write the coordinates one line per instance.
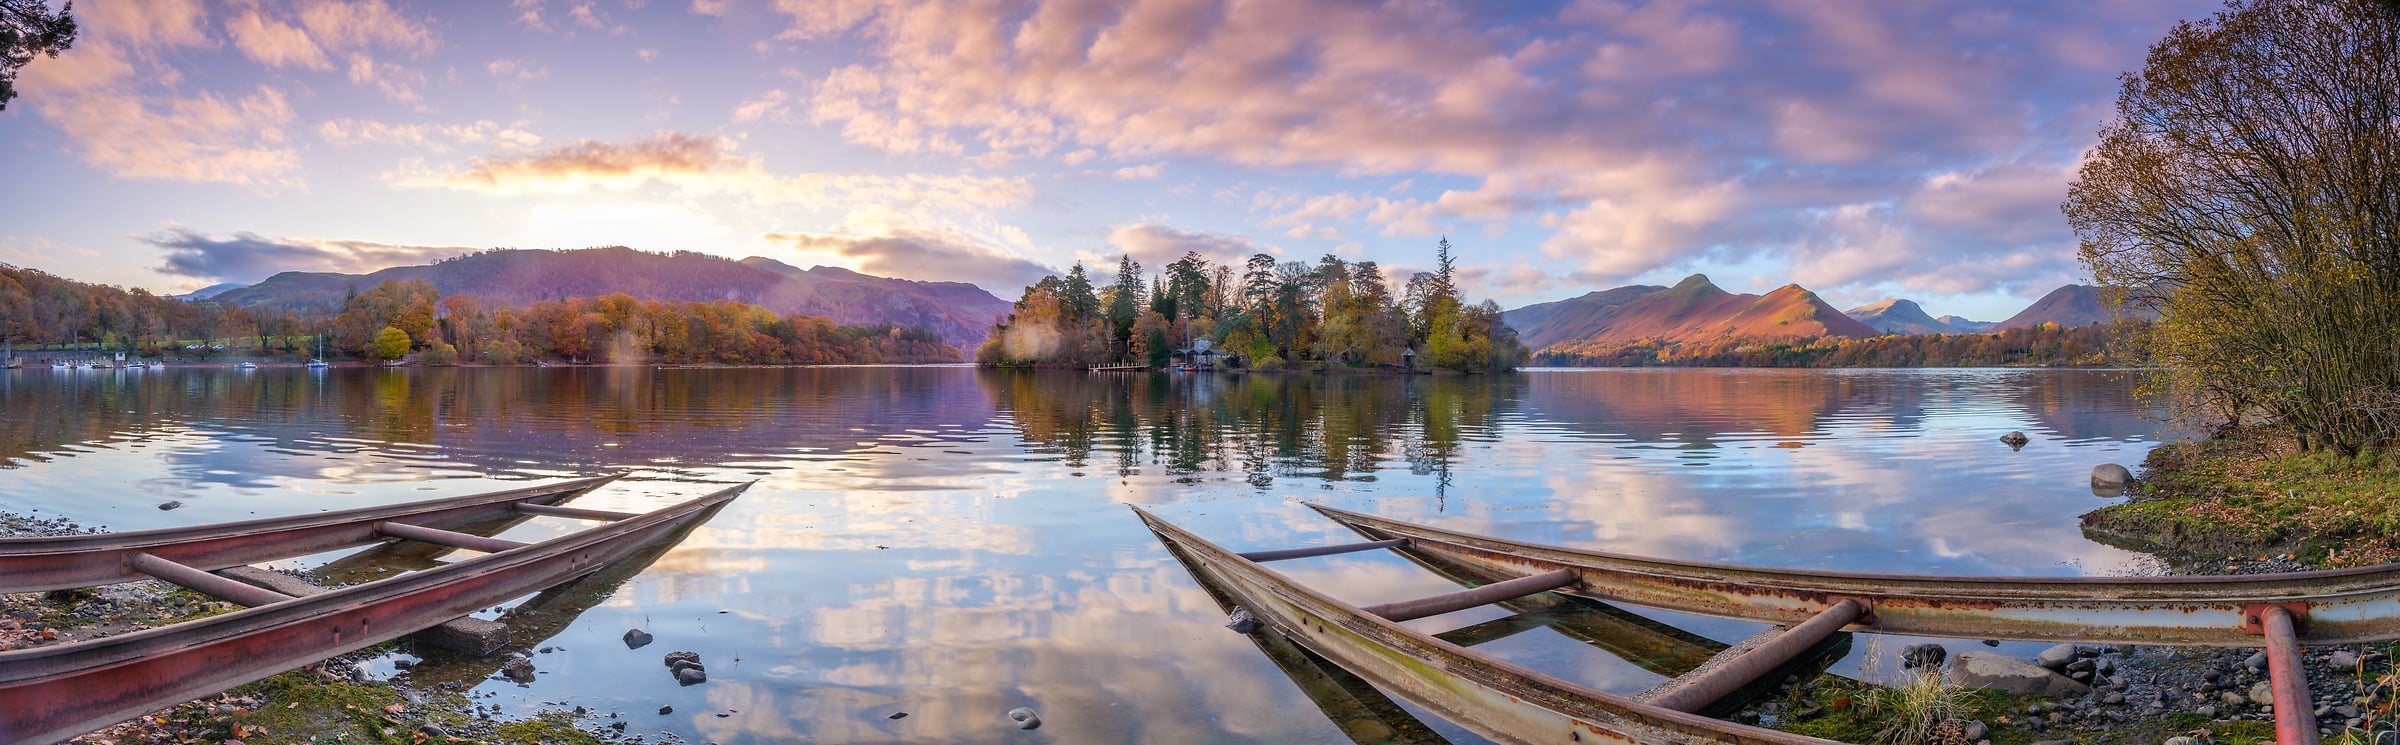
(960, 313)
(1696, 310)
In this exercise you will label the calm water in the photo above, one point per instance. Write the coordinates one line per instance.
(954, 543)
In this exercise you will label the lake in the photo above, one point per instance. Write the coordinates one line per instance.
(953, 543)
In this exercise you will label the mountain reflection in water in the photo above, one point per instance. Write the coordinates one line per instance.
(950, 542)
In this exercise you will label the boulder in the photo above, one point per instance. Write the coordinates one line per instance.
(636, 638)
(2014, 440)
(1025, 718)
(1923, 655)
(2011, 675)
(518, 669)
(693, 675)
(2111, 476)
(2056, 658)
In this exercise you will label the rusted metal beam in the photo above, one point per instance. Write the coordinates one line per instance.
(66, 562)
(466, 634)
(2295, 710)
(2349, 605)
(1409, 610)
(1497, 700)
(574, 512)
(1712, 682)
(441, 537)
(1302, 553)
(204, 582)
(48, 694)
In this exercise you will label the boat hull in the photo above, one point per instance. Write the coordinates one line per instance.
(66, 562)
(1495, 699)
(49, 694)
(2342, 606)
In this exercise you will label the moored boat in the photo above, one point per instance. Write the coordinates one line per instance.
(49, 694)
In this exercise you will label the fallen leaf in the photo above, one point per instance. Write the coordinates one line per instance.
(396, 709)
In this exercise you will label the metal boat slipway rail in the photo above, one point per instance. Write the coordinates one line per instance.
(49, 694)
(1512, 704)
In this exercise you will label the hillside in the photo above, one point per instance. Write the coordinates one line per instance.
(1966, 326)
(1543, 324)
(2069, 306)
(1694, 310)
(1898, 316)
(961, 314)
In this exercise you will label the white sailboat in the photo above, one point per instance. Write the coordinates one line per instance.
(318, 362)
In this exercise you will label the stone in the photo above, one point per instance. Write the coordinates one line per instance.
(2056, 658)
(434, 731)
(2262, 693)
(2208, 711)
(681, 660)
(2110, 476)
(170, 505)
(1923, 655)
(2014, 440)
(898, 715)
(636, 638)
(1242, 622)
(2343, 660)
(2181, 740)
(691, 675)
(2010, 675)
(663, 710)
(2257, 661)
(2113, 699)
(518, 669)
(1025, 718)
(2230, 698)
(1975, 730)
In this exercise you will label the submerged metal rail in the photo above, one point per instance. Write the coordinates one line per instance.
(2339, 606)
(49, 694)
(1493, 698)
(68, 562)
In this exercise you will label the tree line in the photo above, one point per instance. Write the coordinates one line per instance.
(2100, 345)
(412, 320)
(1265, 314)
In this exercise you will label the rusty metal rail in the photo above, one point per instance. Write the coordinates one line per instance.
(67, 562)
(48, 694)
(2340, 606)
(2295, 712)
(1495, 699)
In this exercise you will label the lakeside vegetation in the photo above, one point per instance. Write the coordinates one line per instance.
(2048, 345)
(412, 320)
(1274, 315)
(2246, 190)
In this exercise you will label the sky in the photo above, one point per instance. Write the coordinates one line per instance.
(1864, 150)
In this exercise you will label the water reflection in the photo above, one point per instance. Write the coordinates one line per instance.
(950, 542)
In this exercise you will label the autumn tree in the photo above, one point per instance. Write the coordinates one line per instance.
(390, 344)
(29, 28)
(2249, 188)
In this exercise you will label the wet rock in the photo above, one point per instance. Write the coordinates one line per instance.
(636, 638)
(518, 669)
(2014, 440)
(432, 730)
(170, 505)
(2056, 658)
(2343, 660)
(666, 710)
(1242, 622)
(2262, 693)
(898, 715)
(2110, 476)
(2002, 673)
(1923, 655)
(1025, 718)
(691, 676)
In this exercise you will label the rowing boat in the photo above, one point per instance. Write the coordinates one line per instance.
(2335, 606)
(68, 562)
(1493, 698)
(49, 694)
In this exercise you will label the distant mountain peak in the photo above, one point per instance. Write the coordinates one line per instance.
(1899, 316)
(1695, 282)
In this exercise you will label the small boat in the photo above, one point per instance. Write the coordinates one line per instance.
(61, 365)
(317, 364)
(1510, 704)
(245, 365)
(137, 365)
(49, 694)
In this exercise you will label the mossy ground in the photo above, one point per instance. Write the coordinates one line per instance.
(2253, 493)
